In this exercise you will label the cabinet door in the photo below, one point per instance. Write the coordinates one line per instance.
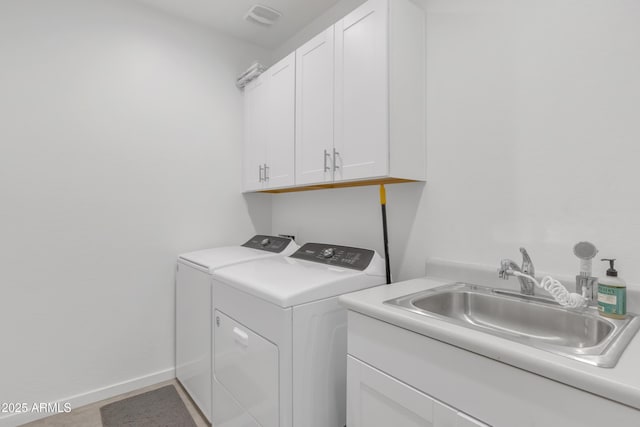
(444, 416)
(314, 109)
(281, 134)
(255, 126)
(361, 96)
(466, 421)
(375, 399)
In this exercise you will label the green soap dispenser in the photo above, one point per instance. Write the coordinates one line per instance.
(612, 294)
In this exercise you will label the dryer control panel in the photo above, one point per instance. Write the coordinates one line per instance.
(339, 256)
(273, 244)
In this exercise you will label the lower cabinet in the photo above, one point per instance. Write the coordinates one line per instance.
(375, 399)
(398, 378)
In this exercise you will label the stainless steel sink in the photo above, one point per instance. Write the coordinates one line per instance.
(536, 321)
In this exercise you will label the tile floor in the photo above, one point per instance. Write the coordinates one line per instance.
(89, 415)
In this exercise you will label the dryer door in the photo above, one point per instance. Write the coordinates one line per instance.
(246, 365)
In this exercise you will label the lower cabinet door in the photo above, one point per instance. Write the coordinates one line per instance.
(466, 421)
(375, 399)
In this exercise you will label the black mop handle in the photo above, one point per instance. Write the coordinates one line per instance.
(383, 205)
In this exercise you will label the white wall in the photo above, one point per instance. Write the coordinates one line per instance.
(120, 139)
(322, 22)
(533, 140)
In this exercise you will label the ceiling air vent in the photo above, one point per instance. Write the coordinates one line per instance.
(262, 15)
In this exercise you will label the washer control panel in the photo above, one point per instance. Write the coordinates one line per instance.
(273, 244)
(339, 256)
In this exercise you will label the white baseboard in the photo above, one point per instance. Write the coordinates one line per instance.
(92, 396)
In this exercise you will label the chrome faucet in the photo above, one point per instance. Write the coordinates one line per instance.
(507, 267)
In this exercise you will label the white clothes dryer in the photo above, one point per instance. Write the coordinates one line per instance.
(280, 353)
(194, 308)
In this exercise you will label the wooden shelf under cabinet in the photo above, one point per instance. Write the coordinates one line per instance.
(375, 181)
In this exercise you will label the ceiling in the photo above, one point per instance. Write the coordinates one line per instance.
(227, 16)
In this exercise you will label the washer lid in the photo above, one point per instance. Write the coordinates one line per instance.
(256, 248)
(288, 281)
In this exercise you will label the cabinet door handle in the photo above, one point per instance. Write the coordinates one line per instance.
(335, 160)
(266, 172)
(327, 168)
(241, 337)
(260, 179)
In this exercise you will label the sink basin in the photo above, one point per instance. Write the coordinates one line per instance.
(536, 321)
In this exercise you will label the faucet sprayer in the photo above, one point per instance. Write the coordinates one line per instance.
(527, 282)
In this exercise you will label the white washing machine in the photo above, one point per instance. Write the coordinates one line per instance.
(194, 308)
(280, 353)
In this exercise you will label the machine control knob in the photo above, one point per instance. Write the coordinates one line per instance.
(265, 241)
(328, 253)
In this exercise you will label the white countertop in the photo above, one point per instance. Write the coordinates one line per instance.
(620, 384)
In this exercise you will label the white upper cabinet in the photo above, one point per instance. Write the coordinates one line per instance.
(270, 128)
(314, 109)
(281, 134)
(359, 109)
(361, 93)
(255, 130)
